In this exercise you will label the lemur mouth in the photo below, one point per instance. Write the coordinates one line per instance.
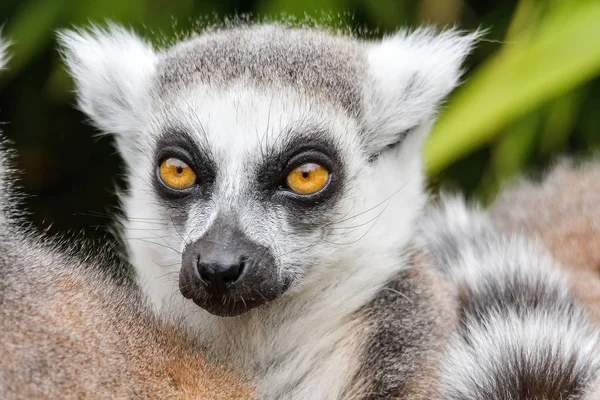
(230, 305)
(236, 299)
(227, 306)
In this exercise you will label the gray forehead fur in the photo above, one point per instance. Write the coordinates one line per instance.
(311, 61)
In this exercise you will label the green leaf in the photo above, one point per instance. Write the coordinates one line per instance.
(563, 53)
(563, 114)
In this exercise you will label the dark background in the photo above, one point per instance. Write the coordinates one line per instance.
(532, 91)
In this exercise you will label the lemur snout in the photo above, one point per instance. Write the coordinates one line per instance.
(218, 277)
(227, 273)
(219, 258)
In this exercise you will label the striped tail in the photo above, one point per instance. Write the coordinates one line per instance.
(523, 335)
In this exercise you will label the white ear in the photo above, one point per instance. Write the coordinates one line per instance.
(409, 76)
(112, 69)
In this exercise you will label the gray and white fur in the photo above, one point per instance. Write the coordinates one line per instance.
(523, 333)
(241, 104)
(333, 294)
(562, 212)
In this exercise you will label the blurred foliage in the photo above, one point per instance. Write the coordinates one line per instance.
(531, 89)
(520, 96)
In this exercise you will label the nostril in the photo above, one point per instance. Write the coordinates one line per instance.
(219, 277)
(202, 272)
(205, 277)
(242, 267)
(233, 273)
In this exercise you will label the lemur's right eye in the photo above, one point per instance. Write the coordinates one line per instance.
(176, 174)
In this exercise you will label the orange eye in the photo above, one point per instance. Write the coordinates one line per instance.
(307, 179)
(176, 174)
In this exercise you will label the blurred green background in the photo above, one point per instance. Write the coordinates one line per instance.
(531, 90)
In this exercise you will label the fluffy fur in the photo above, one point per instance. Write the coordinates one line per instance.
(68, 331)
(372, 307)
(245, 97)
(562, 209)
(562, 212)
(522, 333)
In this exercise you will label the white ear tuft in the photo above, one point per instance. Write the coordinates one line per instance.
(409, 76)
(3, 53)
(112, 69)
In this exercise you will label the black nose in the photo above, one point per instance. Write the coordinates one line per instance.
(218, 278)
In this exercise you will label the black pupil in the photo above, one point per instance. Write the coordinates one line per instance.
(305, 174)
(179, 170)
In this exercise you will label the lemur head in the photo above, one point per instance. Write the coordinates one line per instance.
(264, 158)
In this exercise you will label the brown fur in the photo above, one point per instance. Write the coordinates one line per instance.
(563, 212)
(69, 332)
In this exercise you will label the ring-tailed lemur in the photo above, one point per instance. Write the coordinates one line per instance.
(275, 178)
(68, 331)
(275, 181)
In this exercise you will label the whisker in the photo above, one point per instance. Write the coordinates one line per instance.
(368, 230)
(372, 208)
(398, 293)
(158, 244)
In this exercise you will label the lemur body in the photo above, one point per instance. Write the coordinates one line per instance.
(331, 292)
(68, 331)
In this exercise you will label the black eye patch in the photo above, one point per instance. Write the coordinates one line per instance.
(301, 149)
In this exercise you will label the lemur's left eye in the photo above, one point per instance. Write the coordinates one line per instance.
(307, 179)
(176, 174)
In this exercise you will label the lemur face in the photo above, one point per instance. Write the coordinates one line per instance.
(263, 159)
(259, 185)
